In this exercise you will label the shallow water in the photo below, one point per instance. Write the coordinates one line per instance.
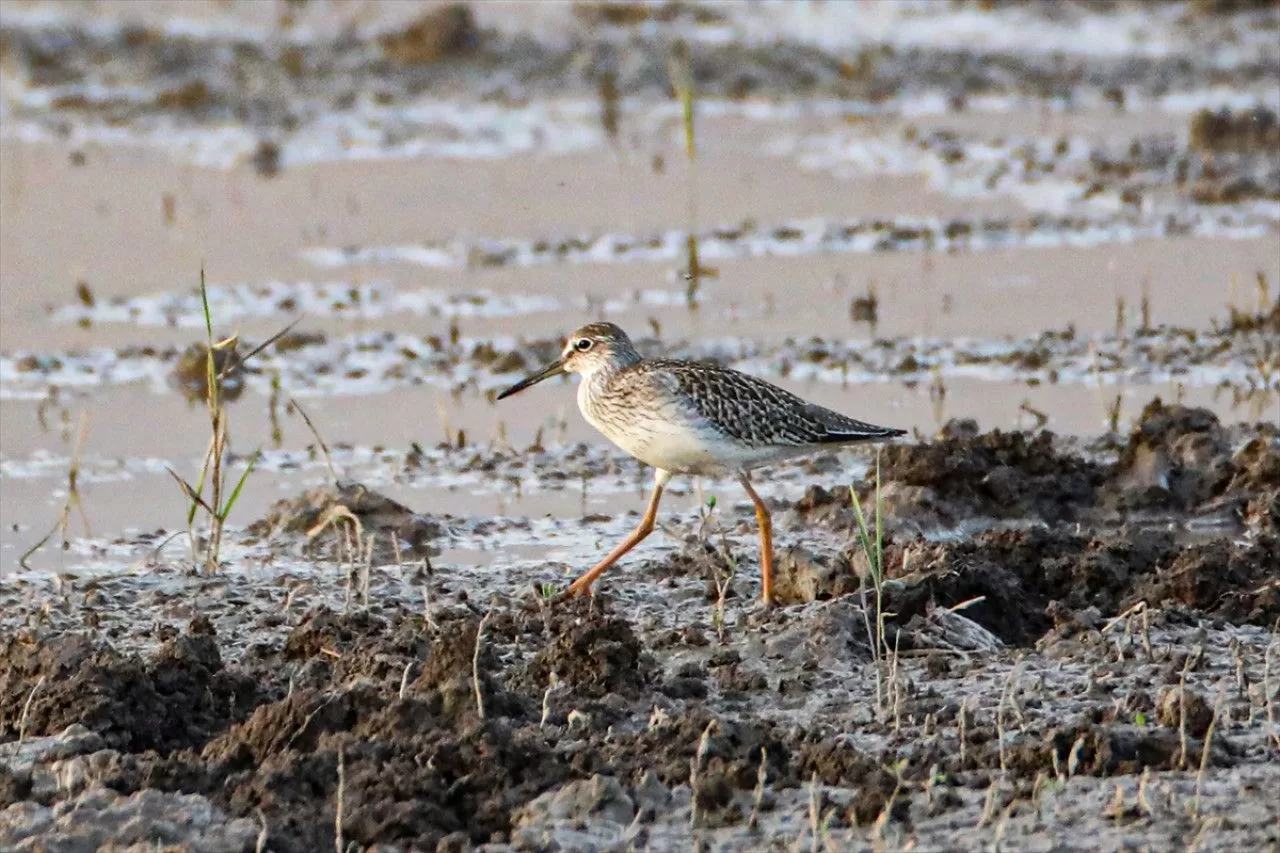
(457, 209)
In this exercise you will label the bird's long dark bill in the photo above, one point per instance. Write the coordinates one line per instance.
(552, 369)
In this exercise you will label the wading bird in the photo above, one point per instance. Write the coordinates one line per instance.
(685, 417)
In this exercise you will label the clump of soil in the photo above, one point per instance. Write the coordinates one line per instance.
(800, 577)
(1177, 460)
(1180, 459)
(995, 474)
(1266, 319)
(328, 509)
(1176, 457)
(728, 755)
(628, 14)
(178, 697)
(190, 376)
(440, 33)
(594, 656)
(1236, 581)
(384, 708)
(1021, 576)
(1227, 7)
(478, 772)
(1224, 130)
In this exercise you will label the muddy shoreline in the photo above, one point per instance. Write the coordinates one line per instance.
(1042, 238)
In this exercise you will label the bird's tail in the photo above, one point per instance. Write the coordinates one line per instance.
(844, 430)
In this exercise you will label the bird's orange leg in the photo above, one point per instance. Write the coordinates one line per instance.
(582, 586)
(765, 522)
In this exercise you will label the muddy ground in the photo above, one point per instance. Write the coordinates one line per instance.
(1090, 662)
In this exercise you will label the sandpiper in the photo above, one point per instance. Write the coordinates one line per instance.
(697, 418)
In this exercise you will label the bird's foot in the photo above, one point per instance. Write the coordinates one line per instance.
(576, 589)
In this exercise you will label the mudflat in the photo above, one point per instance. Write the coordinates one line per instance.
(1042, 238)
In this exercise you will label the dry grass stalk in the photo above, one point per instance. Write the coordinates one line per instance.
(695, 766)
(998, 839)
(1073, 760)
(339, 845)
(886, 813)
(1038, 788)
(72, 502)
(1182, 720)
(896, 687)
(815, 835)
(366, 571)
(1267, 692)
(721, 580)
(261, 845)
(1242, 678)
(1004, 698)
(315, 433)
(475, 664)
(404, 680)
(331, 516)
(348, 555)
(989, 802)
(1207, 826)
(937, 395)
(427, 615)
(273, 411)
(1205, 749)
(26, 711)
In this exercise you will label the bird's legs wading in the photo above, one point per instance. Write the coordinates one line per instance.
(765, 523)
(582, 586)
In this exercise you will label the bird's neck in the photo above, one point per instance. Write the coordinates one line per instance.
(599, 378)
(595, 385)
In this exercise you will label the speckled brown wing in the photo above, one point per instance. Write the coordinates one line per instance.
(757, 413)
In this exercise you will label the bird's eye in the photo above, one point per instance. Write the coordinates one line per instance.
(583, 344)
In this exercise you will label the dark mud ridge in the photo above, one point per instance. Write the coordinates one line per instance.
(1092, 652)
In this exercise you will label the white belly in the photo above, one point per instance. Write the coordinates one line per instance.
(680, 446)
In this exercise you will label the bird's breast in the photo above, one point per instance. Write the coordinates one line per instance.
(658, 435)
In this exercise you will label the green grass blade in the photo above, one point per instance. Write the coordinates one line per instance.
(208, 315)
(235, 493)
(864, 533)
(211, 374)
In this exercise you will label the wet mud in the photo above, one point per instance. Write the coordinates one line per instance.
(1074, 649)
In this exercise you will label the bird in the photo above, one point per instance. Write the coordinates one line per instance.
(691, 417)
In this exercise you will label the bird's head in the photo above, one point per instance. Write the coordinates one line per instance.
(592, 348)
